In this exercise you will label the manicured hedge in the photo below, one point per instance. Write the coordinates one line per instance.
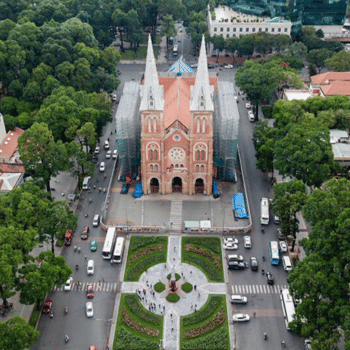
(126, 340)
(159, 287)
(177, 276)
(137, 242)
(187, 287)
(218, 340)
(211, 243)
(172, 298)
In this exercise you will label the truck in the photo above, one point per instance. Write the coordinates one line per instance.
(68, 237)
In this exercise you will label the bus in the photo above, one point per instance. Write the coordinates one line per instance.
(175, 50)
(109, 243)
(274, 253)
(287, 307)
(118, 250)
(265, 218)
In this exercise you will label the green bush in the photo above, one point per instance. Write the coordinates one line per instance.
(172, 298)
(137, 242)
(211, 243)
(159, 287)
(267, 111)
(177, 277)
(187, 287)
(218, 340)
(125, 340)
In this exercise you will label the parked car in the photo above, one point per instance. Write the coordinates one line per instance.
(240, 318)
(125, 189)
(85, 232)
(307, 343)
(233, 240)
(230, 246)
(93, 245)
(276, 220)
(254, 265)
(248, 105)
(228, 66)
(211, 66)
(251, 117)
(269, 278)
(281, 237)
(89, 309)
(235, 265)
(283, 247)
(102, 166)
(69, 284)
(114, 97)
(247, 242)
(115, 154)
(97, 150)
(195, 65)
(235, 257)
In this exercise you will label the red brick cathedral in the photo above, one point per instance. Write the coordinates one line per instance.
(177, 129)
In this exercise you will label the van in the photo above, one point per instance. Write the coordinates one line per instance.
(86, 182)
(235, 257)
(96, 220)
(287, 265)
(238, 299)
(90, 268)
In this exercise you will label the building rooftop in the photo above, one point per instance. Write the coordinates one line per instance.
(10, 176)
(9, 144)
(336, 135)
(297, 95)
(325, 78)
(336, 88)
(341, 151)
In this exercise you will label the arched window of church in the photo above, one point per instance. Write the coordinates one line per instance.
(151, 154)
(198, 156)
(181, 165)
(197, 168)
(203, 126)
(156, 168)
(155, 154)
(176, 165)
(198, 125)
(149, 125)
(203, 155)
(151, 168)
(154, 124)
(202, 168)
(171, 165)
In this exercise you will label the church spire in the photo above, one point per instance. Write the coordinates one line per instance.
(201, 98)
(152, 97)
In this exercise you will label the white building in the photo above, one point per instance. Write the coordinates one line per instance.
(230, 23)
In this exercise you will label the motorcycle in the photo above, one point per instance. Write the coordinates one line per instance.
(263, 258)
(66, 310)
(75, 248)
(86, 215)
(265, 336)
(76, 267)
(262, 271)
(66, 338)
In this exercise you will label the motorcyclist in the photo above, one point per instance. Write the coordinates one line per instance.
(66, 310)
(265, 336)
(66, 338)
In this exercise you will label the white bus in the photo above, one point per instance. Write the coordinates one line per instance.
(118, 250)
(265, 218)
(287, 307)
(109, 243)
(274, 253)
(175, 50)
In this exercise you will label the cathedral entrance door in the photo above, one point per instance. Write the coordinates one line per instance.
(199, 186)
(177, 185)
(154, 185)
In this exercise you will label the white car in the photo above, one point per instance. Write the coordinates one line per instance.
(114, 97)
(229, 66)
(97, 150)
(108, 154)
(195, 65)
(247, 242)
(251, 116)
(102, 166)
(89, 309)
(115, 154)
(179, 40)
(283, 247)
(233, 240)
(230, 246)
(106, 144)
(240, 318)
(248, 105)
(69, 284)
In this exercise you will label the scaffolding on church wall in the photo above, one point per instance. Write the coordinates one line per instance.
(225, 133)
(129, 129)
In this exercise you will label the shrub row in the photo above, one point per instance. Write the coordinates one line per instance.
(125, 340)
(211, 243)
(212, 257)
(177, 276)
(136, 308)
(134, 271)
(133, 324)
(215, 322)
(218, 340)
(212, 273)
(148, 250)
(137, 242)
(213, 302)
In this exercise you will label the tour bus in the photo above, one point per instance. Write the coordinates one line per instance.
(109, 243)
(287, 307)
(118, 250)
(274, 253)
(175, 50)
(265, 218)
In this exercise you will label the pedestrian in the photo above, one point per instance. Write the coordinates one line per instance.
(172, 329)
(149, 308)
(144, 291)
(195, 305)
(165, 266)
(103, 280)
(191, 273)
(99, 281)
(85, 257)
(139, 297)
(164, 307)
(143, 298)
(182, 274)
(195, 287)
(171, 315)
(155, 306)
(111, 261)
(174, 249)
(199, 295)
(153, 293)
(150, 286)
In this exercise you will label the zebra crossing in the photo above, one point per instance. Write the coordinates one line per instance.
(98, 287)
(257, 289)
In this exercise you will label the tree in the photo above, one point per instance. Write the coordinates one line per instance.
(41, 155)
(319, 33)
(318, 57)
(285, 112)
(17, 334)
(289, 198)
(197, 27)
(120, 20)
(168, 28)
(246, 45)
(134, 28)
(298, 49)
(339, 62)
(219, 43)
(231, 44)
(305, 153)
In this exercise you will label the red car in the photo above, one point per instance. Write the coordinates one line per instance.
(85, 232)
(90, 291)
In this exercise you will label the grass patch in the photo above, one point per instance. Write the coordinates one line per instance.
(137, 328)
(177, 277)
(137, 242)
(208, 328)
(134, 272)
(159, 287)
(35, 316)
(211, 243)
(172, 298)
(139, 54)
(187, 287)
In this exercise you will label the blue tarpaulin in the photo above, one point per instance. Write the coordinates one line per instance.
(238, 204)
(138, 190)
(215, 190)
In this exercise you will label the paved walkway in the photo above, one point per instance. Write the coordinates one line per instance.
(188, 303)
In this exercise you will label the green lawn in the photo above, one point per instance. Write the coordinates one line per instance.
(140, 54)
(137, 328)
(204, 253)
(144, 252)
(207, 328)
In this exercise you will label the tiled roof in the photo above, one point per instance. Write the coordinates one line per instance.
(336, 88)
(321, 79)
(11, 168)
(10, 176)
(10, 143)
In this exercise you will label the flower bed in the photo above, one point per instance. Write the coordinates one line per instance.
(136, 308)
(137, 242)
(125, 340)
(173, 298)
(159, 287)
(211, 243)
(218, 340)
(133, 324)
(187, 287)
(213, 258)
(147, 251)
(177, 276)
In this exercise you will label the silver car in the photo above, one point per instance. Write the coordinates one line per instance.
(240, 318)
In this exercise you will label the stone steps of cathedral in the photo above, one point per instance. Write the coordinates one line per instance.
(176, 215)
